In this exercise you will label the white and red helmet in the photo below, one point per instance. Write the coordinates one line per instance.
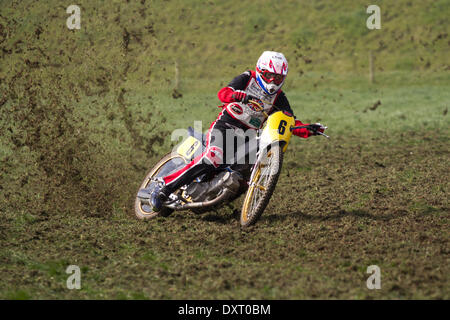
(271, 71)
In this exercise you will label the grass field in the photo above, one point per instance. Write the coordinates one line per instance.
(85, 113)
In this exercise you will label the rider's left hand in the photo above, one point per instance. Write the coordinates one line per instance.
(302, 132)
(318, 128)
(305, 133)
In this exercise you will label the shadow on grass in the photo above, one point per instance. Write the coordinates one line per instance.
(207, 216)
(220, 217)
(338, 215)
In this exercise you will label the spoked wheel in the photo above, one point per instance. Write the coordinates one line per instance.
(261, 186)
(167, 165)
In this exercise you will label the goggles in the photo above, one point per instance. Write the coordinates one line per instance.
(270, 76)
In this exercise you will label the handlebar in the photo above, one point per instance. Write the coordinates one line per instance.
(258, 106)
(310, 127)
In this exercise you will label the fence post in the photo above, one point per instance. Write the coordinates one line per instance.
(177, 76)
(175, 92)
(371, 69)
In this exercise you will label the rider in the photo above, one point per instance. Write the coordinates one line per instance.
(263, 85)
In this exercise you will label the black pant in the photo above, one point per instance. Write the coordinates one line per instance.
(226, 145)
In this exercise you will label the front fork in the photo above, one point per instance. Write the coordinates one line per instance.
(259, 155)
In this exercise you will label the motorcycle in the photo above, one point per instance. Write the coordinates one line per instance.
(211, 190)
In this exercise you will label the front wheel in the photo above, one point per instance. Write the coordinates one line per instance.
(262, 185)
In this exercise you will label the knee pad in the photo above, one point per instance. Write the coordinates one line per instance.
(214, 155)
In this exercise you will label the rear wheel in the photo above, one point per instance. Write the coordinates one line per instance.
(167, 165)
(261, 186)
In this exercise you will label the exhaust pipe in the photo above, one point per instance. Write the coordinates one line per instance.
(224, 195)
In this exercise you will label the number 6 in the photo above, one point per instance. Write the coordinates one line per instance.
(282, 127)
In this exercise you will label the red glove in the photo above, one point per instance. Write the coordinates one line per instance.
(318, 127)
(303, 132)
(227, 95)
(239, 96)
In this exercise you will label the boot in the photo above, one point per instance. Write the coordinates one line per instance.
(158, 196)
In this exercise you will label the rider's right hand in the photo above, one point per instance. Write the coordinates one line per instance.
(239, 96)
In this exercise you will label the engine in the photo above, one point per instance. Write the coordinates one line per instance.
(204, 191)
